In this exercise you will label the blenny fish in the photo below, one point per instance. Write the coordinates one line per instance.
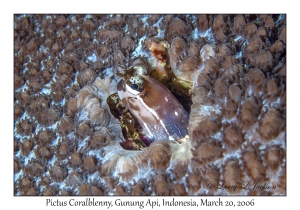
(157, 110)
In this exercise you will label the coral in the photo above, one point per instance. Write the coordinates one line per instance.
(193, 181)
(33, 169)
(161, 185)
(50, 191)
(209, 151)
(89, 164)
(126, 168)
(120, 191)
(18, 111)
(159, 155)
(178, 189)
(127, 44)
(98, 140)
(26, 186)
(139, 189)
(25, 127)
(26, 147)
(250, 31)
(72, 107)
(202, 23)
(43, 153)
(48, 117)
(87, 77)
(65, 126)
(271, 124)
(18, 81)
(76, 159)
(232, 173)
(239, 24)
(249, 113)
(233, 138)
(228, 72)
(58, 173)
(63, 151)
(253, 164)
(177, 28)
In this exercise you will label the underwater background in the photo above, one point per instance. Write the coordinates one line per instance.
(66, 140)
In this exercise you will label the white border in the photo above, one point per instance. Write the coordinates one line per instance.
(155, 6)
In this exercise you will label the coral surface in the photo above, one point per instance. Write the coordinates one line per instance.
(228, 71)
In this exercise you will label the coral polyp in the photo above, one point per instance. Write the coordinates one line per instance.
(149, 104)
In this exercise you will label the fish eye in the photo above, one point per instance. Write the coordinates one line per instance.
(134, 86)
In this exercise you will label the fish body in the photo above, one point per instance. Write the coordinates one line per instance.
(157, 110)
